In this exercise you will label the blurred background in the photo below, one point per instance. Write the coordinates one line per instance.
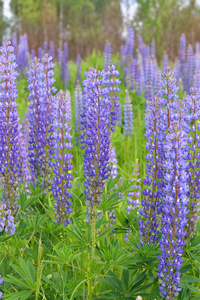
(86, 24)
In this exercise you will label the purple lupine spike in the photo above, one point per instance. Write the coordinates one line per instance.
(174, 212)
(139, 75)
(151, 201)
(52, 50)
(40, 79)
(95, 138)
(40, 50)
(129, 44)
(153, 49)
(9, 132)
(128, 115)
(14, 42)
(177, 71)
(78, 107)
(134, 195)
(1, 282)
(78, 64)
(182, 58)
(132, 71)
(23, 52)
(45, 47)
(107, 56)
(62, 158)
(157, 79)
(7, 224)
(192, 110)
(167, 93)
(189, 67)
(65, 76)
(165, 61)
(33, 54)
(24, 168)
(149, 80)
(197, 48)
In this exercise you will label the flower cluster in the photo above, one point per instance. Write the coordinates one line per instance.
(97, 124)
(9, 130)
(61, 167)
(128, 115)
(174, 211)
(6, 219)
(134, 196)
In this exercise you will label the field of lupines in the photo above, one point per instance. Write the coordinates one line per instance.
(100, 173)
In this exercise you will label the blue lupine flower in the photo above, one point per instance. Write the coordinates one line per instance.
(128, 115)
(62, 158)
(107, 56)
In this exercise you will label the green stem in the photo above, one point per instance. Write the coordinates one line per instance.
(90, 287)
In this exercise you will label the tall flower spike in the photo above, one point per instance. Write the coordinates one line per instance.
(151, 203)
(41, 144)
(62, 158)
(128, 115)
(192, 112)
(149, 80)
(189, 67)
(78, 107)
(174, 212)
(78, 72)
(9, 131)
(107, 56)
(134, 196)
(96, 126)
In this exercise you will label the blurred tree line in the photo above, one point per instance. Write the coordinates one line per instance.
(87, 24)
(84, 24)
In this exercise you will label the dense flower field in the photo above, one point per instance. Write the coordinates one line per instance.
(99, 173)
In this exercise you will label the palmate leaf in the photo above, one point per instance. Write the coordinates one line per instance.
(109, 203)
(112, 182)
(63, 256)
(125, 288)
(113, 255)
(18, 295)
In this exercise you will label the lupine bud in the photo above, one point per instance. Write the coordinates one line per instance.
(61, 167)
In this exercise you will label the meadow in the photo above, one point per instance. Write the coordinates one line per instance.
(96, 246)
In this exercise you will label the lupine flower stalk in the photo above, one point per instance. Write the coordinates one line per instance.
(134, 196)
(128, 115)
(151, 200)
(78, 108)
(193, 110)
(174, 212)
(97, 125)
(9, 165)
(78, 72)
(149, 80)
(7, 223)
(62, 158)
(107, 55)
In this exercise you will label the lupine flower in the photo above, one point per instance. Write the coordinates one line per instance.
(24, 168)
(132, 67)
(134, 196)
(174, 212)
(78, 106)
(153, 49)
(45, 47)
(139, 74)
(78, 64)
(193, 110)
(6, 220)
(97, 125)
(149, 80)
(52, 50)
(23, 52)
(1, 282)
(62, 158)
(119, 116)
(40, 79)
(107, 56)
(182, 58)
(128, 115)
(165, 61)
(151, 203)
(189, 67)
(40, 50)
(14, 42)
(157, 78)
(129, 50)
(8, 128)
